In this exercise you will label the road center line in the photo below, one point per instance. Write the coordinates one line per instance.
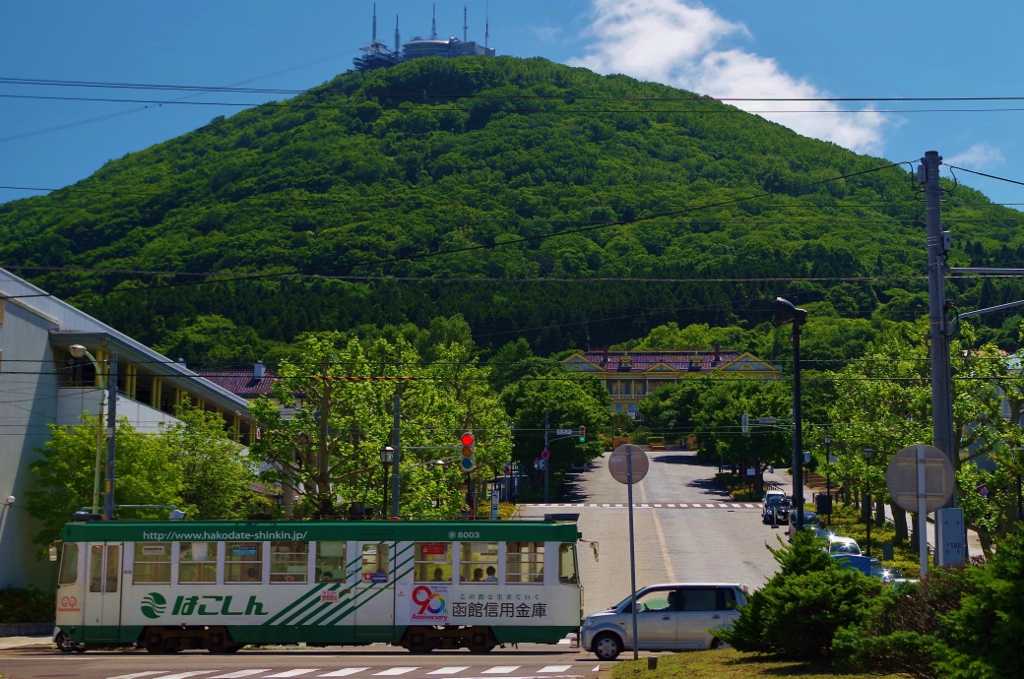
(661, 539)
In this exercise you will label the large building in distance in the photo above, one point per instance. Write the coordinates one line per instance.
(377, 54)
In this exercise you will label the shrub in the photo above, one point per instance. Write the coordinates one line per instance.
(987, 633)
(797, 613)
(26, 605)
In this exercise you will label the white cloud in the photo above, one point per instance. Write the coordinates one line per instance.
(547, 34)
(979, 156)
(679, 43)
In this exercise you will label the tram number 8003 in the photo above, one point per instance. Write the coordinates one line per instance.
(464, 535)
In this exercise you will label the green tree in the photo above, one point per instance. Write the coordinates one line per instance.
(145, 474)
(216, 478)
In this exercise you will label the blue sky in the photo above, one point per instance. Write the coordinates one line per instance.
(738, 48)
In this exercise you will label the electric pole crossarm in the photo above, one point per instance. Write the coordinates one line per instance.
(984, 269)
(1000, 307)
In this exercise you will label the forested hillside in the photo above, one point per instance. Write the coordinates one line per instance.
(405, 173)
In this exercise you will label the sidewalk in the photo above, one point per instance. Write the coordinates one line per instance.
(8, 643)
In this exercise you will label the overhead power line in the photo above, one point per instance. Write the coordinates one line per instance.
(990, 176)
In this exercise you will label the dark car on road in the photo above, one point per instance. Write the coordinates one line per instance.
(777, 510)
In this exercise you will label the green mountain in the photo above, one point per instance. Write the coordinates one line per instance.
(407, 172)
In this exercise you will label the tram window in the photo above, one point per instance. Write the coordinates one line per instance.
(197, 562)
(330, 561)
(69, 564)
(567, 564)
(243, 562)
(375, 563)
(152, 563)
(479, 562)
(433, 562)
(113, 567)
(524, 562)
(96, 568)
(289, 561)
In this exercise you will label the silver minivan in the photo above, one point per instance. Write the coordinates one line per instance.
(669, 617)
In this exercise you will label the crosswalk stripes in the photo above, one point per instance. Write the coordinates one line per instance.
(647, 505)
(452, 672)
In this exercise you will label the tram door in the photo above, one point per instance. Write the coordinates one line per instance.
(374, 593)
(102, 614)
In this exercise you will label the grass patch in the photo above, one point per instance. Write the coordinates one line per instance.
(729, 664)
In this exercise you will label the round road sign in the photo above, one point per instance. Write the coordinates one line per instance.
(545, 453)
(617, 464)
(901, 478)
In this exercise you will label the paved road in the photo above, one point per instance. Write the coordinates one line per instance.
(529, 661)
(709, 543)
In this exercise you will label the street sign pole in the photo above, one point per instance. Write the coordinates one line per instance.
(632, 551)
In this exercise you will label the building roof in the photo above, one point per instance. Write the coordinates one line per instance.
(76, 326)
(670, 362)
(242, 382)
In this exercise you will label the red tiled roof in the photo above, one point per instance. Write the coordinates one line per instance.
(241, 382)
(677, 360)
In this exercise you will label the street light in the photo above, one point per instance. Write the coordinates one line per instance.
(868, 453)
(79, 351)
(788, 314)
(386, 455)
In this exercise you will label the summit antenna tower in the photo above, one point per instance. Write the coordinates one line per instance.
(398, 39)
(374, 22)
(465, 25)
(487, 25)
(433, 22)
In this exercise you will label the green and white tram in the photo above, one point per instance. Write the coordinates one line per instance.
(220, 585)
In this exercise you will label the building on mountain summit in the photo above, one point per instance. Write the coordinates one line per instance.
(378, 55)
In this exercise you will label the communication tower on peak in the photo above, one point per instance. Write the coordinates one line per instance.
(376, 54)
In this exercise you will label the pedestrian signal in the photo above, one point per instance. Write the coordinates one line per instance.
(583, 434)
(468, 452)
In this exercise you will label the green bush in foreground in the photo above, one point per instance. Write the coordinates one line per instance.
(797, 613)
(26, 606)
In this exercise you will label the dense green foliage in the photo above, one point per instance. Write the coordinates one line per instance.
(798, 611)
(20, 606)
(191, 464)
(376, 173)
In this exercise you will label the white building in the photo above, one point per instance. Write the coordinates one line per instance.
(42, 384)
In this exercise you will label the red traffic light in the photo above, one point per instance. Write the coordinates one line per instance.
(468, 439)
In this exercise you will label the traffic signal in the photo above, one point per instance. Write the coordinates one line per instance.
(583, 434)
(468, 442)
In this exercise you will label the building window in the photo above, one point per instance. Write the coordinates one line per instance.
(479, 562)
(433, 562)
(152, 563)
(330, 561)
(197, 562)
(524, 562)
(243, 562)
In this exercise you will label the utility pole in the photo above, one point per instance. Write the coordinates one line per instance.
(396, 474)
(547, 461)
(938, 336)
(108, 504)
(942, 394)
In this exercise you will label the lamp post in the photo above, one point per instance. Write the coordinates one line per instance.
(868, 454)
(386, 456)
(79, 351)
(828, 475)
(786, 313)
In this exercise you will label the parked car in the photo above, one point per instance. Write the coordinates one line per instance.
(810, 519)
(839, 544)
(887, 575)
(669, 617)
(771, 493)
(776, 509)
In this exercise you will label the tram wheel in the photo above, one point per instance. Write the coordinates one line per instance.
(66, 644)
(484, 648)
